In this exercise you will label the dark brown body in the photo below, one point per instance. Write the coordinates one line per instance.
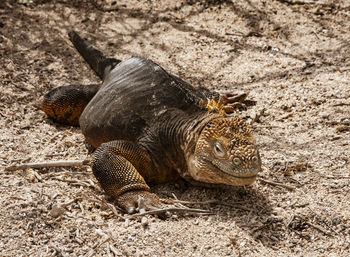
(135, 100)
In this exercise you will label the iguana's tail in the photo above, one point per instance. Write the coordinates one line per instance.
(66, 103)
(97, 61)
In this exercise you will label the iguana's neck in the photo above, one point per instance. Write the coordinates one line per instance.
(193, 128)
(178, 136)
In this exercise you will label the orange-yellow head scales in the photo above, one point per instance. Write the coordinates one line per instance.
(225, 153)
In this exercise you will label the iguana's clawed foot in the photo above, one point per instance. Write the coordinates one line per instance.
(139, 201)
(233, 101)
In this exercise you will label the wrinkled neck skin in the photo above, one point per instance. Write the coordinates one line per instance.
(177, 138)
(191, 137)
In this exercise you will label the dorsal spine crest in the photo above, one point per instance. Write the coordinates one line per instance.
(216, 106)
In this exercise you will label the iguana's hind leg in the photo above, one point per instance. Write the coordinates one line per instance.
(66, 103)
(118, 166)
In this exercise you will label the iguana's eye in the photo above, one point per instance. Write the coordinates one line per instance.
(219, 150)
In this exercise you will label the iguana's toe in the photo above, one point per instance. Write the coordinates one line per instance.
(139, 201)
(230, 98)
(233, 102)
(229, 108)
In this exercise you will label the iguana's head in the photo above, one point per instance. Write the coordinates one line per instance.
(225, 153)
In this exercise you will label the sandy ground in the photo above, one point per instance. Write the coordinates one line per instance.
(291, 56)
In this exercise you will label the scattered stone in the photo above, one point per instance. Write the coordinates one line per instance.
(342, 128)
(30, 176)
(144, 222)
(57, 210)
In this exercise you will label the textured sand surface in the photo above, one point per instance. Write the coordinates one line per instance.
(293, 57)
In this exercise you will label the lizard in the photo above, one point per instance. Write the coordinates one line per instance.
(150, 127)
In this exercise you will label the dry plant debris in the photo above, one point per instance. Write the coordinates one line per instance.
(293, 57)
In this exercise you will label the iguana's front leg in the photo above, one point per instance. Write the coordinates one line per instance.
(117, 166)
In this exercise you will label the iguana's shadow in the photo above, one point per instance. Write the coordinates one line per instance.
(248, 208)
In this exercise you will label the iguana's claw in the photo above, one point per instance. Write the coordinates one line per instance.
(233, 101)
(230, 108)
(139, 201)
(230, 98)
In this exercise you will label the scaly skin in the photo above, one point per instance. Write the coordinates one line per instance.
(223, 153)
(65, 104)
(194, 138)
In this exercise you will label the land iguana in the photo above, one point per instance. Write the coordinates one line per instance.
(149, 126)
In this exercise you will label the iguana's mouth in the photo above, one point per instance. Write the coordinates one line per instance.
(209, 172)
(235, 179)
(224, 170)
(240, 177)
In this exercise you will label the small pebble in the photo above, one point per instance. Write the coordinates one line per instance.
(56, 211)
(144, 222)
(30, 176)
(178, 243)
(127, 222)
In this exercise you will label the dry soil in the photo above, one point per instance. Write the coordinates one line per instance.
(293, 57)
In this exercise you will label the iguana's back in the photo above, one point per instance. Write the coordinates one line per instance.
(134, 96)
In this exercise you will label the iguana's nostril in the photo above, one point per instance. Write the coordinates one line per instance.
(236, 161)
(255, 162)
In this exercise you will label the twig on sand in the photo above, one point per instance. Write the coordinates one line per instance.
(215, 202)
(319, 228)
(291, 188)
(171, 209)
(337, 177)
(75, 182)
(193, 202)
(114, 250)
(330, 227)
(295, 2)
(49, 164)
